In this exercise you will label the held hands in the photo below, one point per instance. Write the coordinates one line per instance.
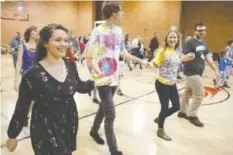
(101, 80)
(147, 64)
(16, 85)
(11, 144)
(104, 81)
(100, 74)
(190, 56)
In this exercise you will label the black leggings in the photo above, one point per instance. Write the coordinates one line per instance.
(166, 93)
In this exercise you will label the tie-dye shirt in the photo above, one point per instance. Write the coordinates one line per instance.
(104, 47)
(168, 62)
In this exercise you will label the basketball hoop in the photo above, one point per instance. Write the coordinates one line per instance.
(16, 15)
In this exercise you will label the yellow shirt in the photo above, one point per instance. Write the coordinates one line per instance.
(167, 60)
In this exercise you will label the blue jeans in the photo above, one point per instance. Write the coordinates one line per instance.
(14, 56)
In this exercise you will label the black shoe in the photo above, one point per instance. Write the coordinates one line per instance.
(156, 120)
(117, 153)
(119, 92)
(195, 121)
(26, 122)
(97, 138)
(182, 115)
(214, 81)
(95, 100)
(179, 77)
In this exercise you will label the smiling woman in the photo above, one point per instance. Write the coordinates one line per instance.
(51, 84)
(167, 60)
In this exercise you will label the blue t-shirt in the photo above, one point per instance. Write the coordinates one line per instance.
(222, 63)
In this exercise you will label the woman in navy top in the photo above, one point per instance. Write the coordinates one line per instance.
(26, 57)
(26, 53)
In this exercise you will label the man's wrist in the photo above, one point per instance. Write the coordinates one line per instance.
(138, 60)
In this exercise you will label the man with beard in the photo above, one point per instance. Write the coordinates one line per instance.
(195, 52)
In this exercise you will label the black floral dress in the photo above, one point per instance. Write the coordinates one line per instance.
(54, 120)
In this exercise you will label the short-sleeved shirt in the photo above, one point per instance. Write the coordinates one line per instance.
(104, 47)
(223, 62)
(15, 43)
(197, 65)
(167, 60)
(230, 52)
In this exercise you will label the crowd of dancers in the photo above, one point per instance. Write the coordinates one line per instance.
(49, 81)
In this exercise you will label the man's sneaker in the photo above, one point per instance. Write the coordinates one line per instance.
(179, 77)
(95, 100)
(156, 120)
(97, 138)
(117, 153)
(195, 121)
(182, 115)
(214, 81)
(119, 92)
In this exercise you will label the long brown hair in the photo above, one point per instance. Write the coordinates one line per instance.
(166, 43)
(27, 33)
(45, 35)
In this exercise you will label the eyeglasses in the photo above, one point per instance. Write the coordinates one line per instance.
(201, 30)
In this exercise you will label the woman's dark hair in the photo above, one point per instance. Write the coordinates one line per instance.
(110, 7)
(166, 43)
(27, 33)
(45, 34)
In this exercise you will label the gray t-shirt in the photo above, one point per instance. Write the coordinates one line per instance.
(197, 65)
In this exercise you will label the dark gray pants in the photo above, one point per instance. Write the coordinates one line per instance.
(107, 110)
